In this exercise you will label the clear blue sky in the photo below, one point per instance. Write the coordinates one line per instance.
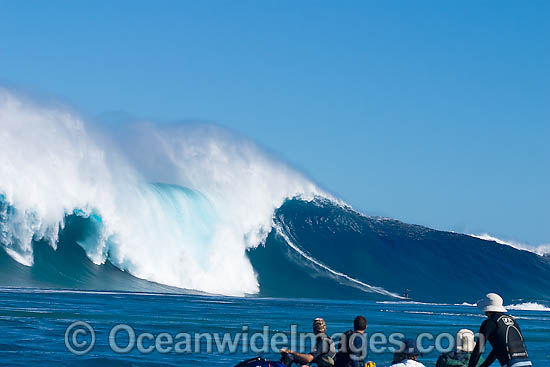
(435, 113)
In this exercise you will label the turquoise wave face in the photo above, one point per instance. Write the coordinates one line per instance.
(83, 237)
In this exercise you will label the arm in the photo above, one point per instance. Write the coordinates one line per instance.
(485, 330)
(474, 358)
(490, 359)
(299, 357)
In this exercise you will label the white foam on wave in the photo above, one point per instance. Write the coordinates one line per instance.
(466, 304)
(541, 250)
(528, 306)
(52, 164)
(91, 292)
(412, 303)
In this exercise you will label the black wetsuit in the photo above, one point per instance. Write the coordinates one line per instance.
(347, 355)
(507, 346)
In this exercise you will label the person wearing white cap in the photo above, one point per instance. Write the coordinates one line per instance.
(465, 342)
(503, 333)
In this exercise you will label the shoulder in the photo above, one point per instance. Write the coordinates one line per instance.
(408, 363)
(357, 338)
(324, 340)
(488, 325)
(321, 337)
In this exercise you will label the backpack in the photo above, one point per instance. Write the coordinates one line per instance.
(326, 359)
(342, 358)
(453, 359)
(509, 334)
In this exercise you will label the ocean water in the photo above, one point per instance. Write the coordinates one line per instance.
(33, 323)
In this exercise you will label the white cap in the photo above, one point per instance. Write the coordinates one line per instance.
(491, 303)
(465, 341)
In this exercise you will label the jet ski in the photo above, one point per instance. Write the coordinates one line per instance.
(260, 362)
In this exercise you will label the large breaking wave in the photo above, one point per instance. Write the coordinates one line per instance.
(216, 200)
(144, 206)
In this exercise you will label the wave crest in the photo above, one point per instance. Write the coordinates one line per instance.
(541, 250)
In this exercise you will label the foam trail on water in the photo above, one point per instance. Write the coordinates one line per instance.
(339, 276)
(528, 306)
(176, 204)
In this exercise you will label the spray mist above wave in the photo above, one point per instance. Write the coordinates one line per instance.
(176, 204)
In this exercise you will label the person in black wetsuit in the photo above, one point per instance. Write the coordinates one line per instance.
(351, 349)
(503, 333)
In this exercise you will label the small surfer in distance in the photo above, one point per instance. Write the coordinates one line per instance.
(406, 293)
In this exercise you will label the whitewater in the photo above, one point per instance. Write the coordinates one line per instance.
(177, 204)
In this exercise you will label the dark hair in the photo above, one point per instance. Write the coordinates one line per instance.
(360, 323)
(400, 357)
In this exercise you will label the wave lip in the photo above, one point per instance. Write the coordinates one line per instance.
(542, 250)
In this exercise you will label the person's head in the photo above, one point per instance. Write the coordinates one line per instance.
(465, 341)
(491, 303)
(400, 357)
(360, 323)
(319, 326)
(407, 350)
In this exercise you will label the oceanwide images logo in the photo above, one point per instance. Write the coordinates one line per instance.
(80, 339)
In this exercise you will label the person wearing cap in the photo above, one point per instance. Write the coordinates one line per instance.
(503, 333)
(407, 355)
(322, 352)
(351, 345)
(465, 342)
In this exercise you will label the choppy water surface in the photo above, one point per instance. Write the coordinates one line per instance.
(33, 324)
